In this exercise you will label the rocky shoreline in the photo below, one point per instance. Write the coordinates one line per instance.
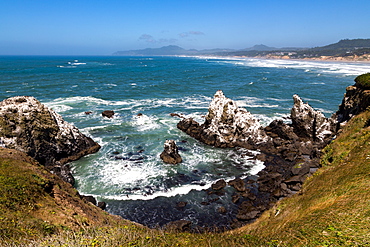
(290, 152)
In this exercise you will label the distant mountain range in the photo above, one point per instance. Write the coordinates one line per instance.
(342, 48)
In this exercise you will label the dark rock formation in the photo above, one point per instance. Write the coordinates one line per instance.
(220, 184)
(179, 225)
(102, 205)
(170, 153)
(290, 151)
(108, 113)
(89, 199)
(238, 184)
(29, 126)
(355, 101)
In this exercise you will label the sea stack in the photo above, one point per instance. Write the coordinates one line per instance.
(29, 126)
(170, 153)
(226, 125)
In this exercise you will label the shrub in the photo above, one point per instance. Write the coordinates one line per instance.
(363, 81)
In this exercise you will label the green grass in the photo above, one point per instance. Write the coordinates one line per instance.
(333, 208)
(363, 81)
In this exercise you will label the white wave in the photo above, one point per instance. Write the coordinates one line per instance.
(317, 83)
(344, 68)
(259, 165)
(144, 122)
(181, 190)
(59, 107)
(185, 189)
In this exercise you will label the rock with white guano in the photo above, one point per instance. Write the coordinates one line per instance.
(170, 153)
(31, 127)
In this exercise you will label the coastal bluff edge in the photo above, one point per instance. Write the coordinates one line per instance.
(354, 97)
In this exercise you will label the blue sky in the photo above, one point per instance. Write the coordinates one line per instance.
(92, 27)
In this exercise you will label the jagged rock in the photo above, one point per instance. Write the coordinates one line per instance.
(170, 153)
(226, 125)
(282, 130)
(220, 184)
(311, 124)
(238, 184)
(89, 199)
(29, 126)
(107, 113)
(102, 205)
(355, 101)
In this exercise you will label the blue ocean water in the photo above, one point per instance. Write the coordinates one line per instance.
(127, 172)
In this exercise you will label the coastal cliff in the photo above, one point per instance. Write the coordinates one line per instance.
(29, 126)
(330, 208)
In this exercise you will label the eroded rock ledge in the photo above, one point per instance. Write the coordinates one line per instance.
(30, 127)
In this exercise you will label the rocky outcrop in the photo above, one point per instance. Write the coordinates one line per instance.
(30, 127)
(310, 124)
(355, 101)
(226, 125)
(170, 153)
(290, 151)
(108, 114)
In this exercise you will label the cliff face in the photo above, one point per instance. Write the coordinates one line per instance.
(355, 101)
(30, 127)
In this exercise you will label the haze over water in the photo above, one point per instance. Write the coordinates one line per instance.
(127, 172)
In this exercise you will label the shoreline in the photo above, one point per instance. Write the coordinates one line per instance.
(321, 59)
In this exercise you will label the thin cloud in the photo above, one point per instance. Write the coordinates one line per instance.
(150, 39)
(147, 38)
(190, 33)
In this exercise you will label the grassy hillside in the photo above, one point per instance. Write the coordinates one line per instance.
(333, 209)
(35, 204)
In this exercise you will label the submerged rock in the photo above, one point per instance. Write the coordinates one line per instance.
(170, 153)
(107, 113)
(220, 184)
(29, 126)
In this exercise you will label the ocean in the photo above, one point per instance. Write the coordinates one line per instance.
(127, 172)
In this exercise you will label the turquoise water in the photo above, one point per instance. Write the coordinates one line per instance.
(127, 172)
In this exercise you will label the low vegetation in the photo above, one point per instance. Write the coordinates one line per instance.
(363, 81)
(333, 209)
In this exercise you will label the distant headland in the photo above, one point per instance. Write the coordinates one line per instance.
(344, 50)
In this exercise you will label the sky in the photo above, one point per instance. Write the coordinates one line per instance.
(97, 27)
